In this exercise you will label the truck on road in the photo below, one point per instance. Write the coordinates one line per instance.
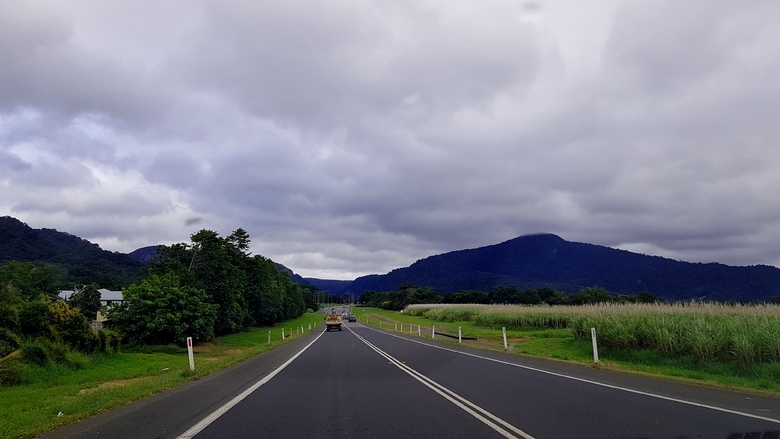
(333, 320)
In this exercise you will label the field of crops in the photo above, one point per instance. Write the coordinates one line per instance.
(744, 335)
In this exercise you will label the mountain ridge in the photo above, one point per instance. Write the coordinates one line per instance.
(547, 260)
(84, 261)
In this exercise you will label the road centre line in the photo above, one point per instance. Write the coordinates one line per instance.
(197, 428)
(451, 396)
(584, 380)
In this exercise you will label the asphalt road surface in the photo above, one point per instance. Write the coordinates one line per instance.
(366, 383)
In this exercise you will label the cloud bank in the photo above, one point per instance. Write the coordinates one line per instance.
(355, 137)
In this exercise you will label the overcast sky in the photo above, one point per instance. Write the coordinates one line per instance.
(354, 137)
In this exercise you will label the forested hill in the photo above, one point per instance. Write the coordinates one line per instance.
(83, 261)
(534, 261)
(321, 284)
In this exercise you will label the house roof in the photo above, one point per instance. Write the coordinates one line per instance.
(105, 295)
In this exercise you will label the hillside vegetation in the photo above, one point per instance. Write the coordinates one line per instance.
(80, 261)
(547, 261)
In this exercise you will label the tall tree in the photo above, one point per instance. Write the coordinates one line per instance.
(159, 310)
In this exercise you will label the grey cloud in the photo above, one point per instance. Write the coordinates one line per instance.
(11, 163)
(351, 138)
(43, 67)
(292, 61)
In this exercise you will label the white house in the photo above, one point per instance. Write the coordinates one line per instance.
(107, 298)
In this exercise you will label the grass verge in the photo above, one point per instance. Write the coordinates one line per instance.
(561, 344)
(101, 383)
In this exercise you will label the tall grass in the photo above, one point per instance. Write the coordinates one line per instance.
(714, 333)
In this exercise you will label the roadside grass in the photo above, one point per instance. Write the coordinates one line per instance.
(104, 382)
(561, 344)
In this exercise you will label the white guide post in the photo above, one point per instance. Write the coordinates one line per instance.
(433, 332)
(410, 328)
(282, 333)
(503, 330)
(595, 348)
(269, 337)
(396, 326)
(189, 353)
(459, 339)
(419, 331)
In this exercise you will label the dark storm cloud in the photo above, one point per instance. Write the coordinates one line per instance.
(356, 137)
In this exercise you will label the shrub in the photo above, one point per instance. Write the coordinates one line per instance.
(34, 319)
(9, 318)
(55, 352)
(33, 353)
(10, 373)
(9, 342)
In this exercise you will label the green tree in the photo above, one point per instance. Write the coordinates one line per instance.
(590, 295)
(219, 272)
(504, 294)
(34, 319)
(466, 296)
(160, 310)
(557, 298)
(30, 279)
(530, 297)
(265, 292)
(87, 299)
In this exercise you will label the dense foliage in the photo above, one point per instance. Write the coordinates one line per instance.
(38, 328)
(210, 286)
(159, 310)
(538, 261)
(80, 261)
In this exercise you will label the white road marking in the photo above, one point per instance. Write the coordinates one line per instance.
(478, 412)
(584, 380)
(197, 428)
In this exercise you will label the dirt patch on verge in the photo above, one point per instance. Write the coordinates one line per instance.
(112, 385)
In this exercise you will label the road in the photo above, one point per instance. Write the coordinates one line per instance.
(362, 382)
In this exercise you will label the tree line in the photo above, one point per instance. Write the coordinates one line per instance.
(210, 286)
(409, 294)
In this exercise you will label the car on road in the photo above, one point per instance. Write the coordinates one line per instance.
(352, 319)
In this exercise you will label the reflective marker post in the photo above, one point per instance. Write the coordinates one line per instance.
(595, 348)
(189, 353)
(503, 330)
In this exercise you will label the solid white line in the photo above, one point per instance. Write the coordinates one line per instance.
(584, 380)
(464, 404)
(197, 428)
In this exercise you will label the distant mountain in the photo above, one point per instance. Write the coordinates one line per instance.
(321, 284)
(534, 261)
(330, 285)
(144, 255)
(293, 277)
(83, 261)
